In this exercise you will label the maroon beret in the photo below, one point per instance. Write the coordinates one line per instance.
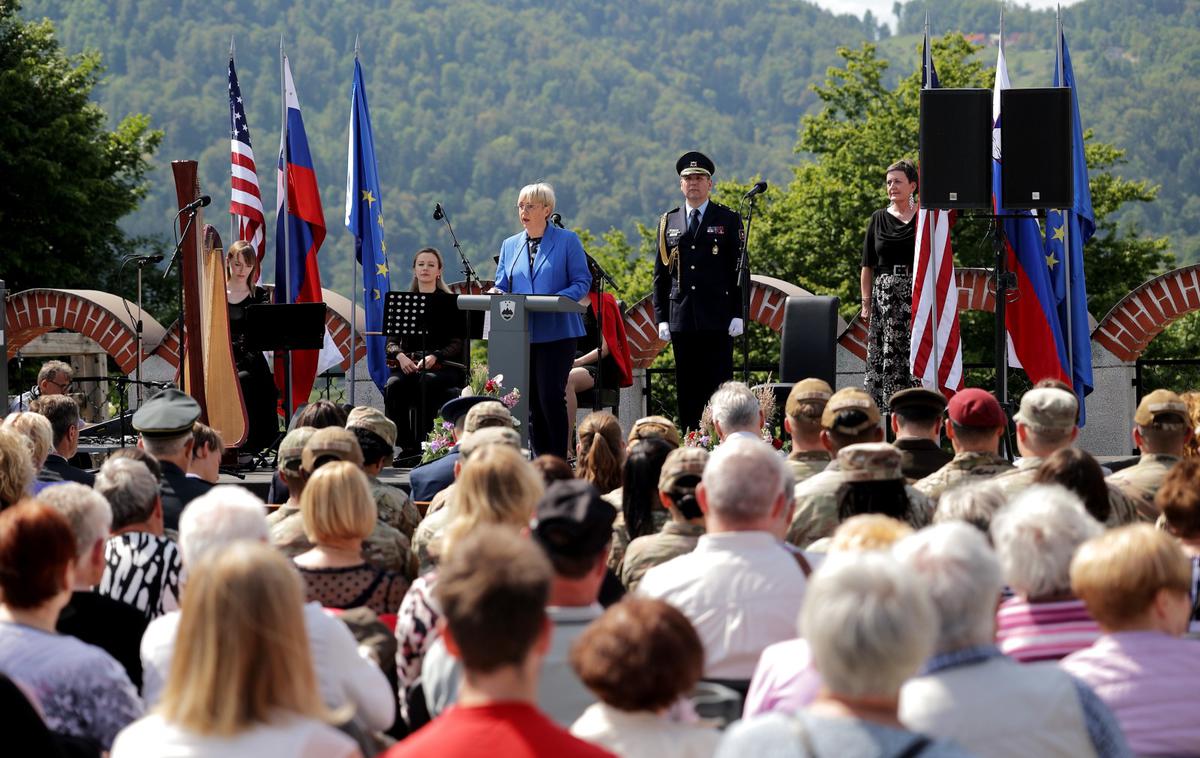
(977, 408)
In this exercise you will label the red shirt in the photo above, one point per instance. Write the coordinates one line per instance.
(500, 730)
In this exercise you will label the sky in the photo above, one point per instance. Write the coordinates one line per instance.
(883, 8)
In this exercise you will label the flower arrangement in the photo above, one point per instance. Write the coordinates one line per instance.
(441, 438)
(706, 435)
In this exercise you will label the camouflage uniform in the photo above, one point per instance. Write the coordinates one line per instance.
(394, 506)
(620, 539)
(385, 546)
(1122, 509)
(807, 463)
(1140, 482)
(439, 500)
(676, 538)
(428, 534)
(964, 467)
(816, 513)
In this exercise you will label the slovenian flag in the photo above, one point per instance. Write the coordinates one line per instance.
(297, 274)
(1035, 341)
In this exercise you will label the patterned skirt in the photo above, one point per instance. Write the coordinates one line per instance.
(888, 337)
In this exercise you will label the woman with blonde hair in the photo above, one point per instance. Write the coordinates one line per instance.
(339, 513)
(600, 452)
(16, 466)
(425, 368)
(39, 435)
(241, 680)
(254, 375)
(497, 487)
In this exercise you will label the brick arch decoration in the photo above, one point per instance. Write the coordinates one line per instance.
(99, 315)
(767, 298)
(1144, 313)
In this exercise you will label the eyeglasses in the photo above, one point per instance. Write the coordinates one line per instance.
(529, 206)
(63, 388)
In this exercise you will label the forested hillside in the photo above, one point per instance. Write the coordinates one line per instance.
(472, 99)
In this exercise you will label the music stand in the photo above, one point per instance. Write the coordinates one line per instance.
(406, 315)
(282, 327)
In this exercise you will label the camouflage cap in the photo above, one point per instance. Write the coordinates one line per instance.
(487, 414)
(1161, 403)
(373, 420)
(681, 462)
(659, 427)
(846, 400)
(292, 448)
(490, 435)
(808, 391)
(870, 462)
(331, 442)
(1047, 409)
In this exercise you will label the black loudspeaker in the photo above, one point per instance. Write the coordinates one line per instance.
(808, 345)
(1035, 148)
(956, 148)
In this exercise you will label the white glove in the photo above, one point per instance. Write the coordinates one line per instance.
(664, 331)
(735, 328)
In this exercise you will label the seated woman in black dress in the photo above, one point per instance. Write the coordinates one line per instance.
(425, 368)
(614, 369)
(886, 284)
(258, 384)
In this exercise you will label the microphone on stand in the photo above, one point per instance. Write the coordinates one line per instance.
(556, 219)
(757, 189)
(438, 213)
(200, 202)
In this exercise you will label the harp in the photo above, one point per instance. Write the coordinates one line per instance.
(209, 373)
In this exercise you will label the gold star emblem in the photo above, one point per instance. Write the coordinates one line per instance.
(381, 269)
(375, 294)
(1051, 261)
(366, 195)
(383, 246)
(1060, 234)
(380, 220)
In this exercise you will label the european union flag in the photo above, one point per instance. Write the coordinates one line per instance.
(364, 219)
(1066, 233)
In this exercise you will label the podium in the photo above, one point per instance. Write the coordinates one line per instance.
(508, 339)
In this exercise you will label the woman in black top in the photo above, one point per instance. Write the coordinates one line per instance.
(432, 364)
(258, 384)
(886, 284)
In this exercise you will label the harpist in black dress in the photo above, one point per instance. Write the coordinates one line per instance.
(434, 364)
(886, 281)
(258, 383)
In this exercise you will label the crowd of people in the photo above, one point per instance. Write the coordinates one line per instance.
(849, 596)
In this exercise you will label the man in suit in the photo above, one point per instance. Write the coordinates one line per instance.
(697, 299)
(165, 424)
(63, 413)
(428, 479)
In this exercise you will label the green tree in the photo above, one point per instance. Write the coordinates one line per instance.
(67, 179)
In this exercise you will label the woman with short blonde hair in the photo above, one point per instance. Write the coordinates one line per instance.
(16, 466)
(496, 486)
(339, 513)
(241, 677)
(40, 437)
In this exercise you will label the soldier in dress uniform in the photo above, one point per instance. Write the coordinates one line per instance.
(802, 421)
(697, 299)
(165, 424)
(977, 424)
(917, 426)
(1161, 431)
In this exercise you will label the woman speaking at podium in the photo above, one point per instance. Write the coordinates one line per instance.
(544, 260)
(258, 384)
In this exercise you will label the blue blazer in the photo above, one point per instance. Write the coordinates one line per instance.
(428, 479)
(560, 268)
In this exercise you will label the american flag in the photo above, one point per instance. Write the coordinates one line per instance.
(245, 202)
(935, 352)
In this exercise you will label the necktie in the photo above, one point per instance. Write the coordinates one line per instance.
(693, 222)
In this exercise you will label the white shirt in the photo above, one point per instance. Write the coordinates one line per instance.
(741, 590)
(343, 675)
(290, 735)
(644, 734)
(687, 212)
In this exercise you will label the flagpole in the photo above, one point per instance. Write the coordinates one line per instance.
(287, 275)
(927, 64)
(233, 236)
(1062, 82)
(354, 248)
(1001, 318)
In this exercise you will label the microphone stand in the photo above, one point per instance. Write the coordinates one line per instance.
(743, 277)
(175, 254)
(439, 214)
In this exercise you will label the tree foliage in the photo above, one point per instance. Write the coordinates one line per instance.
(67, 179)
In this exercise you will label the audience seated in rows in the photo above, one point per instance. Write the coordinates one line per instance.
(681, 473)
(36, 430)
(600, 452)
(62, 411)
(736, 412)
(638, 513)
(16, 466)
(376, 435)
